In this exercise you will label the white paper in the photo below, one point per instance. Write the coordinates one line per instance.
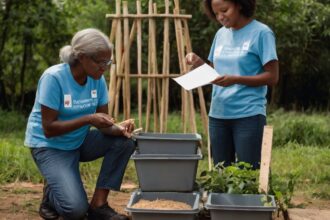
(200, 76)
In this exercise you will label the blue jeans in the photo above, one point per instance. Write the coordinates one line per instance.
(235, 140)
(61, 170)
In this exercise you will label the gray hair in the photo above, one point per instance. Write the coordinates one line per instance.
(88, 41)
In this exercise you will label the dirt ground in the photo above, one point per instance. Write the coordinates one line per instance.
(20, 201)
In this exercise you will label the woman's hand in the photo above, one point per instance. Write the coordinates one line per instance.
(101, 120)
(226, 80)
(124, 128)
(128, 127)
(194, 60)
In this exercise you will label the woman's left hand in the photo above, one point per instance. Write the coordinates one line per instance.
(128, 127)
(225, 80)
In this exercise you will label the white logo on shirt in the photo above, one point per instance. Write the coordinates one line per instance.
(94, 93)
(67, 101)
(246, 45)
(218, 50)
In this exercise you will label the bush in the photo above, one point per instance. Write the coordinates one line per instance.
(304, 129)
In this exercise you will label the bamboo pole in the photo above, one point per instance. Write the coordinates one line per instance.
(149, 89)
(139, 16)
(190, 94)
(154, 67)
(139, 61)
(201, 99)
(113, 78)
(158, 83)
(118, 49)
(152, 75)
(127, 91)
(165, 82)
(178, 34)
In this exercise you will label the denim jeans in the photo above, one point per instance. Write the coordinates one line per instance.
(235, 140)
(61, 170)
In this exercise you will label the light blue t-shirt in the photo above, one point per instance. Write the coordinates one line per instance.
(241, 52)
(58, 90)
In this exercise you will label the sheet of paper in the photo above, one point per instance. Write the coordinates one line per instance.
(200, 76)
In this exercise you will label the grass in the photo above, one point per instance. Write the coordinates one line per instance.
(301, 145)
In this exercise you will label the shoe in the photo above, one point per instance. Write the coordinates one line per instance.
(46, 211)
(105, 212)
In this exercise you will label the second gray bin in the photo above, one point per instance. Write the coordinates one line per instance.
(156, 143)
(239, 206)
(164, 172)
(191, 199)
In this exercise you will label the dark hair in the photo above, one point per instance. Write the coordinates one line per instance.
(247, 7)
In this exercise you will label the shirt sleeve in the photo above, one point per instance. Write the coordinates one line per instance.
(49, 92)
(267, 47)
(104, 99)
(211, 54)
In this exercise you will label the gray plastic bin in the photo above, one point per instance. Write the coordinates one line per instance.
(239, 206)
(176, 143)
(166, 172)
(191, 199)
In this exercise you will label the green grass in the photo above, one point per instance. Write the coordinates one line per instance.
(301, 145)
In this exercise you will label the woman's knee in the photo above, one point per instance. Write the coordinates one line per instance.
(75, 210)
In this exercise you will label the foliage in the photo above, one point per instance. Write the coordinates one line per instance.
(32, 32)
(11, 122)
(283, 192)
(239, 178)
(306, 129)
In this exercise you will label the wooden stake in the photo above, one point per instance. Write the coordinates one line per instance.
(266, 153)
(139, 61)
(165, 82)
(127, 91)
(118, 49)
(155, 68)
(178, 32)
(149, 90)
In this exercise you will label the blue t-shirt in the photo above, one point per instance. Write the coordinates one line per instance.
(58, 90)
(241, 52)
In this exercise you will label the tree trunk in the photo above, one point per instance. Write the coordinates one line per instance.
(22, 74)
(4, 25)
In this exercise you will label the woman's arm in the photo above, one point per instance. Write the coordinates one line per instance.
(268, 77)
(54, 127)
(124, 128)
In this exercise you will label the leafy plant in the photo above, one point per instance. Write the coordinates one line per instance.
(238, 178)
(283, 192)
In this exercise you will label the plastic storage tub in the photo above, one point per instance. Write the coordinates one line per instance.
(191, 199)
(176, 143)
(240, 206)
(166, 172)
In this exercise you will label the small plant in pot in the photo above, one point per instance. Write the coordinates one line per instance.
(241, 178)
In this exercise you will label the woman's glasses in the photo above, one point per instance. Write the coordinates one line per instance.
(102, 64)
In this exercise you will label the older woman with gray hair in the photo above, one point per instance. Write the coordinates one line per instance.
(71, 98)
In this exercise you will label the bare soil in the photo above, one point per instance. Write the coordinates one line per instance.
(20, 201)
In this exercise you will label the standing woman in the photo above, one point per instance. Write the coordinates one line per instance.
(243, 52)
(71, 97)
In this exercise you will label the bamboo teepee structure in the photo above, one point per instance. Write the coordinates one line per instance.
(126, 30)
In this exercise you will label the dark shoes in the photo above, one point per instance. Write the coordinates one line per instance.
(45, 210)
(105, 212)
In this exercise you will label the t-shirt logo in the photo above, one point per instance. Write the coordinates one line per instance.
(246, 45)
(94, 93)
(67, 101)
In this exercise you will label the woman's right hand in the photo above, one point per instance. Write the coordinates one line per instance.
(194, 60)
(101, 120)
